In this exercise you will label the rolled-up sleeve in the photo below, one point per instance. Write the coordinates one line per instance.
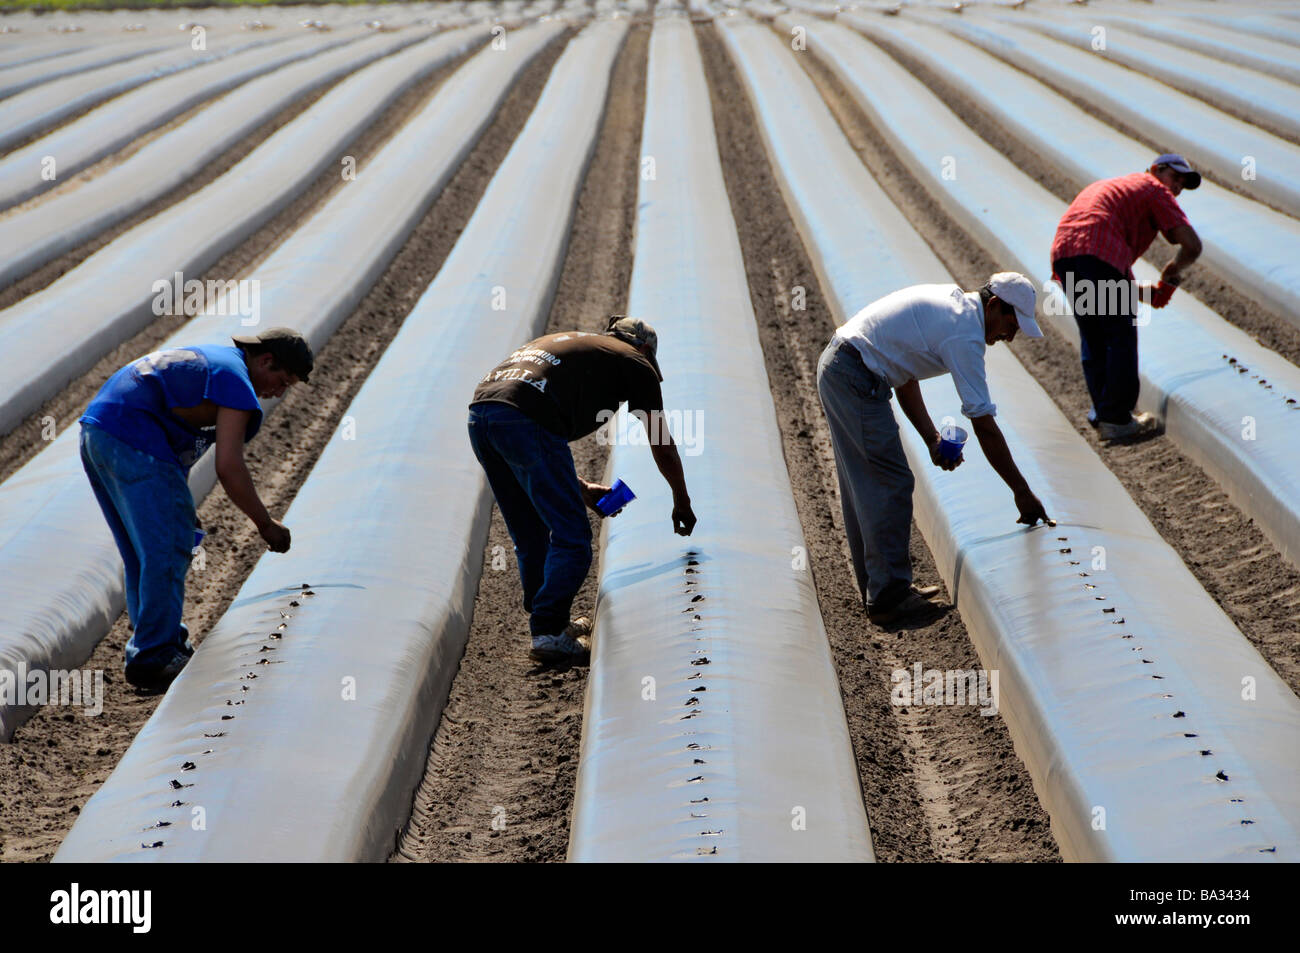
(1166, 211)
(965, 362)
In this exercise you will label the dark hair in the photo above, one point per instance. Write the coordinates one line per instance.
(253, 350)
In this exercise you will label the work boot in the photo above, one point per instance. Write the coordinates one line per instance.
(914, 608)
(571, 645)
(156, 677)
(1138, 426)
(558, 648)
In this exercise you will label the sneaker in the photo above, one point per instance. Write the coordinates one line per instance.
(1137, 426)
(927, 592)
(913, 607)
(558, 648)
(579, 628)
(155, 677)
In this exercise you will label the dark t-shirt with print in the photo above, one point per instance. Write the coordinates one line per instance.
(573, 382)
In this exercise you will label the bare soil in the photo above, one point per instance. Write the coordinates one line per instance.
(57, 761)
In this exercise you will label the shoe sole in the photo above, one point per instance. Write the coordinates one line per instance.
(153, 687)
(928, 612)
(542, 655)
(1121, 437)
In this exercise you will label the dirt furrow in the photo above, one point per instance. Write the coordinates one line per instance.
(30, 437)
(500, 778)
(58, 760)
(940, 783)
(1189, 509)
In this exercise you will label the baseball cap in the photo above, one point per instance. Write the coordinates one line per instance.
(1191, 178)
(636, 332)
(1018, 291)
(289, 348)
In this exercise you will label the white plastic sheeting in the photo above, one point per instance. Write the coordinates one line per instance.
(60, 574)
(1213, 140)
(19, 78)
(15, 53)
(1257, 96)
(63, 222)
(1224, 398)
(1267, 27)
(302, 774)
(26, 171)
(1266, 56)
(1116, 669)
(112, 295)
(37, 109)
(742, 740)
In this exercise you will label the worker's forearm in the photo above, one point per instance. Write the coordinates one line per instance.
(913, 404)
(238, 484)
(669, 463)
(998, 454)
(1189, 249)
(1186, 255)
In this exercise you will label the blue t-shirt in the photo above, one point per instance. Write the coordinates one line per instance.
(135, 404)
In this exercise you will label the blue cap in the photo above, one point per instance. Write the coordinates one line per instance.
(1191, 178)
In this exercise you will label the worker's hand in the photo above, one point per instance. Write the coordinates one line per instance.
(939, 461)
(1031, 509)
(683, 519)
(1171, 274)
(591, 494)
(1161, 294)
(276, 535)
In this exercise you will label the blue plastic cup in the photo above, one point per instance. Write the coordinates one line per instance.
(619, 496)
(952, 439)
(198, 537)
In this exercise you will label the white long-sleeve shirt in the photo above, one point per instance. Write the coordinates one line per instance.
(924, 331)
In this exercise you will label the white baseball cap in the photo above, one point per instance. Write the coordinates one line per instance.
(1018, 291)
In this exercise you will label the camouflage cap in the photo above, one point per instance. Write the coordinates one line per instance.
(636, 332)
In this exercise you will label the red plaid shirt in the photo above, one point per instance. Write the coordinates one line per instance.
(1117, 219)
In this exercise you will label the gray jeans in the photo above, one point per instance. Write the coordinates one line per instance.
(875, 481)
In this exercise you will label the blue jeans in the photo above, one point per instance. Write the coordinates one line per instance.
(536, 487)
(151, 514)
(875, 481)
